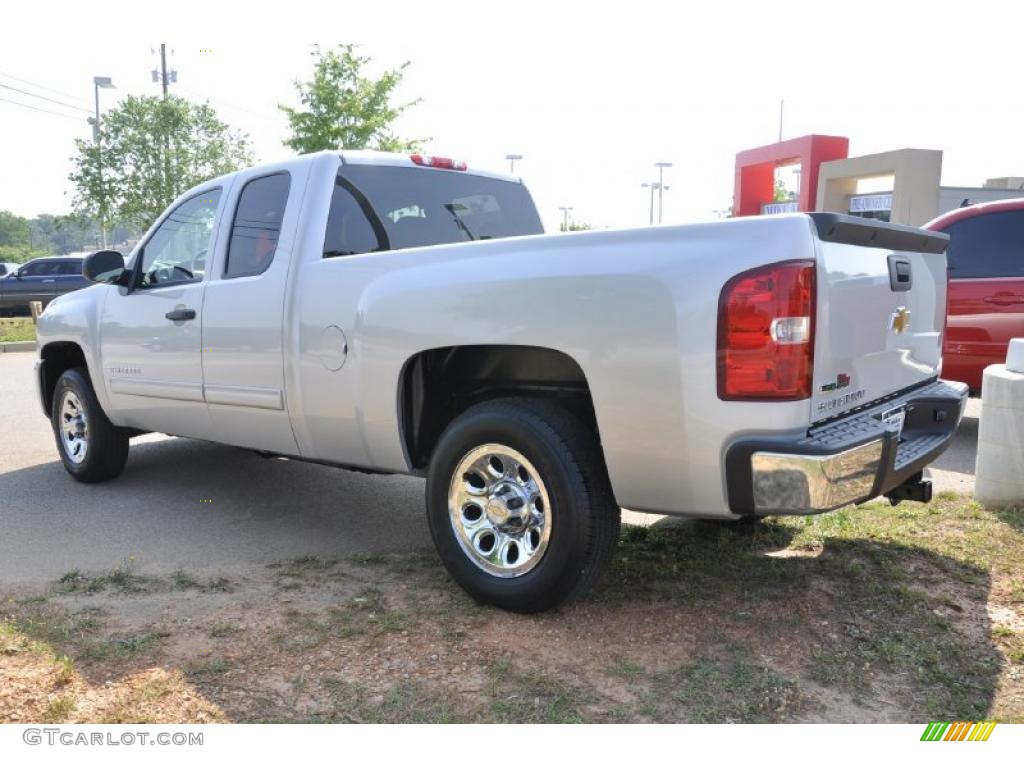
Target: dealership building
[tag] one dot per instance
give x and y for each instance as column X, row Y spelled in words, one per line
column 830, row 180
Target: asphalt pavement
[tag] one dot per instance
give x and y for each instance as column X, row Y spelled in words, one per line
column 208, row 508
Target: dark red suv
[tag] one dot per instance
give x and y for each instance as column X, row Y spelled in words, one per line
column 986, row 286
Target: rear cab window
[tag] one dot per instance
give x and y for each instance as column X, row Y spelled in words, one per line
column 987, row 245
column 382, row 207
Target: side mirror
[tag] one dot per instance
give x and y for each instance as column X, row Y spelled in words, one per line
column 104, row 267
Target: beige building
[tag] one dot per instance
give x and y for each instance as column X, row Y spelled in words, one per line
column 915, row 196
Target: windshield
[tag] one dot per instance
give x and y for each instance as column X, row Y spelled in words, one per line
column 379, row 208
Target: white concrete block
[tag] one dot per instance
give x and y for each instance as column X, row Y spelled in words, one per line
column 1002, row 388
column 1015, row 356
column 994, row 493
column 999, row 476
column 1001, row 426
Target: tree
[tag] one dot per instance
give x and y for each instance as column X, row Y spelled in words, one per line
column 13, row 229
column 346, row 109
column 781, row 195
column 150, row 151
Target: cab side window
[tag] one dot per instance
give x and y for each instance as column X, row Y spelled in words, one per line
column 177, row 251
column 257, row 226
column 987, row 245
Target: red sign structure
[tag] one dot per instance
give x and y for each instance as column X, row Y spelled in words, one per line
column 755, row 170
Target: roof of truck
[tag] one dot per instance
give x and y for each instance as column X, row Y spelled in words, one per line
column 404, row 159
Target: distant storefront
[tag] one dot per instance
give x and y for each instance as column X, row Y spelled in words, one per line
column 830, row 180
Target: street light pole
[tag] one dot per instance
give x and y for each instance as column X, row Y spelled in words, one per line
column 565, row 218
column 652, row 186
column 661, row 166
column 97, row 83
column 512, row 162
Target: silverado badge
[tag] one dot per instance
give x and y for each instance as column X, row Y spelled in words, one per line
column 842, row 381
column 900, row 320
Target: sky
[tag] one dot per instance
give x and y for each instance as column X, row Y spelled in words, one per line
column 591, row 94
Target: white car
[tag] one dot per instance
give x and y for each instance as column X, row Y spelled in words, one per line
column 402, row 314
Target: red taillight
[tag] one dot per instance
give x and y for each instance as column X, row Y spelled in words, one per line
column 438, row 162
column 766, row 333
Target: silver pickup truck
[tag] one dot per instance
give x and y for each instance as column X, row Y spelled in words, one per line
column 403, row 314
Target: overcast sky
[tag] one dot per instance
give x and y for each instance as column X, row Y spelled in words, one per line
column 592, row 94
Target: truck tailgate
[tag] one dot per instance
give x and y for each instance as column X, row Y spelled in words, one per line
column 881, row 311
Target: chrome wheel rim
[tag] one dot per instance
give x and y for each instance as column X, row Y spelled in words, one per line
column 499, row 510
column 74, row 431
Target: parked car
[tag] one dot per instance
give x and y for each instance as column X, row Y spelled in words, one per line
column 42, row 280
column 6, row 267
column 374, row 311
column 986, row 286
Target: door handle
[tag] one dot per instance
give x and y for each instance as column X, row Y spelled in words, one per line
column 1004, row 299
column 51, row 280
column 179, row 315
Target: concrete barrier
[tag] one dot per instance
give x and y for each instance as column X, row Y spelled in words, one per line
column 999, row 477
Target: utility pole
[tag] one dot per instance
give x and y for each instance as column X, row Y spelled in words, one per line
column 565, row 217
column 645, row 185
column 166, row 77
column 654, row 185
column 661, row 166
column 782, row 105
column 97, row 83
column 512, row 162
column 163, row 67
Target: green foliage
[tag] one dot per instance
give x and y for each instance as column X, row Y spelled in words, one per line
column 150, row 151
column 13, row 229
column 575, row 226
column 19, row 254
column 781, row 195
column 343, row 108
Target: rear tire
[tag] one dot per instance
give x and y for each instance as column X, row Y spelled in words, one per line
column 91, row 448
column 519, row 505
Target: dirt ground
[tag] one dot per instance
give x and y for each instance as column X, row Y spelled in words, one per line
column 867, row 615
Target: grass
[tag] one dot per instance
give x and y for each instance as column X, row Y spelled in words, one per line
column 894, row 584
column 205, row 669
column 58, row 709
column 121, row 579
column 364, row 615
column 182, row 580
column 123, row 647
column 724, row 687
column 223, row 629
column 17, row 329
column 868, row 611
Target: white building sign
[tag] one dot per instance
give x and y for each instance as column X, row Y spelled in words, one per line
column 870, row 203
column 791, row 206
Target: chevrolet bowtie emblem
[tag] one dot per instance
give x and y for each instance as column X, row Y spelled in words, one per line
column 900, row 320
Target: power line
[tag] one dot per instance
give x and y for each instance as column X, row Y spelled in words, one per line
column 228, row 105
column 37, row 85
column 44, row 98
column 40, row 109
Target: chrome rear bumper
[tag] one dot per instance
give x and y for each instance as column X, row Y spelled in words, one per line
column 845, row 461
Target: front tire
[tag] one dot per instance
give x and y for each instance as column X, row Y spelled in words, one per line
column 519, row 505
column 91, row 448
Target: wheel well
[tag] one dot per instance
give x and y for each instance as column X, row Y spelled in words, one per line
column 57, row 358
column 439, row 384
